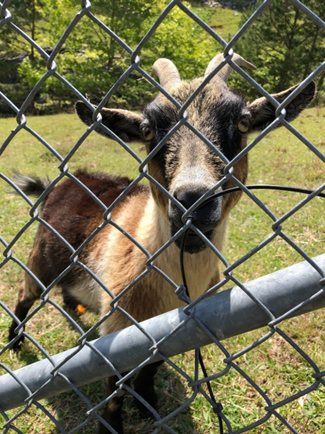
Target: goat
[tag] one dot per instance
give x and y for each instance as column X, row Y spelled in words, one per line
column 186, row 167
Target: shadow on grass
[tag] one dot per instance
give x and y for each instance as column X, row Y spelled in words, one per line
column 69, row 409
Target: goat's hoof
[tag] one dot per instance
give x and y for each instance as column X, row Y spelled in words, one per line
column 145, row 413
column 15, row 346
column 103, row 430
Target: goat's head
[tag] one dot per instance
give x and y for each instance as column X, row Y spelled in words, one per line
column 188, row 164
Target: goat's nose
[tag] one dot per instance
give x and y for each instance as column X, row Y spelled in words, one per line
column 187, row 198
column 205, row 217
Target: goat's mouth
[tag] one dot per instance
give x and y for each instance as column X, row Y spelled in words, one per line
column 194, row 243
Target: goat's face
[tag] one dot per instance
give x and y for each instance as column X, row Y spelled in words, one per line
column 188, row 164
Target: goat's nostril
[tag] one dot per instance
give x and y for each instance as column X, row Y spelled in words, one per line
column 187, row 198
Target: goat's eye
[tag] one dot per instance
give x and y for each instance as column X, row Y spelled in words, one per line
column 243, row 125
column 148, row 132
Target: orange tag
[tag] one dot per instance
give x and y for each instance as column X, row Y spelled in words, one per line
column 81, row 309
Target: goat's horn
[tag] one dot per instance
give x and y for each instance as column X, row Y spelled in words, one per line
column 167, row 73
column 225, row 71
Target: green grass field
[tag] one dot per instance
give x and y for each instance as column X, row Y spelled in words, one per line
column 279, row 159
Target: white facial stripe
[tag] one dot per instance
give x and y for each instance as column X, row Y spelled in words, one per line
column 197, row 176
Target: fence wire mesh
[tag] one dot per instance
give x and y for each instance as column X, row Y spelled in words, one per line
column 270, row 380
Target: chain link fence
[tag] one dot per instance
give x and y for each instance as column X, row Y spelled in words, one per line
column 267, row 381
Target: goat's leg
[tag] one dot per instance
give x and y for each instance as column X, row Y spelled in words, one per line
column 144, row 386
column 29, row 292
column 112, row 413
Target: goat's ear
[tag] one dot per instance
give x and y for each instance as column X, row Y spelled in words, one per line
column 123, row 123
column 263, row 112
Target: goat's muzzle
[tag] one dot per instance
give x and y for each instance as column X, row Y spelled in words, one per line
column 204, row 217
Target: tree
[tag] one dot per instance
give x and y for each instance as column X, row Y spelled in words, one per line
column 93, row 61
column 27, row 15
column 284, row 44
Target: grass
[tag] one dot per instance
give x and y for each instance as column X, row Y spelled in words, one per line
column 274, row 365
column 285, row 160
column 223, row 21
